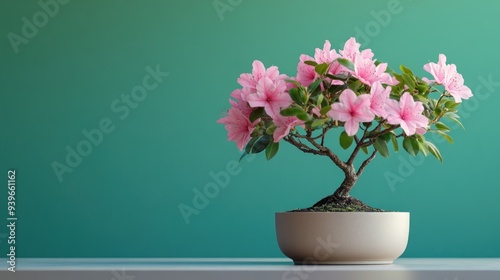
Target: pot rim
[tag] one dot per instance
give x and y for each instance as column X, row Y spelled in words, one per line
column 343, row 213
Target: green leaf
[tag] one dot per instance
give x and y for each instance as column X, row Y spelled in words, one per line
column 257, row 113
column 345, row 140
column 319, row 99
column 434, row 151
column 303, row 96
column 444, row 135
column 321, row 68
column 243, row 155
column 442, row 127
column 325, row 110
column 272, row 149
column 303, row 116
column 422, row 88
column 354, row 85
column 422, row 98
column 295, row 111
column 270, row 129
column 310, row 62
column 295, row 95
column 438, row 111
column 406, row 70
column 364, row 149
column 386, row 137
column 452, row 115
column 411, row 146
column 394, row 142
column 248, row 147
column 292, row 111
column 456, row 121
column 314, row 85
column 317, row 123
column 346, row 63
column 337, row 89
column 325, row 103
column 422, row 146
column 341, row 77
column 399, row 78
column 450, row 104
column 408, row 80
column 433, row 102
column 381, row 146
column 261, row 144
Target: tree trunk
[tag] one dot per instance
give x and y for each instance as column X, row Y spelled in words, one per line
column 341, row 195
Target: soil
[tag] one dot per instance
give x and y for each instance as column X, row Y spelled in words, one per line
column 339, row 204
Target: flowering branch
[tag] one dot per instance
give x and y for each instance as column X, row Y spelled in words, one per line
column 349, row 90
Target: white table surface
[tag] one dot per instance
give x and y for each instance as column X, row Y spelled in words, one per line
column 247, row 268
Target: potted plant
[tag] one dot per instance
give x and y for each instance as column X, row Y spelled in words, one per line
column 372, row 108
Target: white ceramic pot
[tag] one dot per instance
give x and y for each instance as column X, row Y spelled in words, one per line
column 342, row 237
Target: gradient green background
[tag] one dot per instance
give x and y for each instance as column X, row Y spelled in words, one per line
column 123, row 199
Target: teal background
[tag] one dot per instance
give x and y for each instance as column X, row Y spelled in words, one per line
column 123, row 199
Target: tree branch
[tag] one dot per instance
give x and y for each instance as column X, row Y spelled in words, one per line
column 365, row 163
column 323, row 136
column 342, row 165
column 367, row 143
column 359, row 145
column 356, row 139
column 301, row 146
column 385, row 131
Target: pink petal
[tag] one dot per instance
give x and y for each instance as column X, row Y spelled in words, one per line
column 348, row 97
column 442, row 60
column 351, row 127
column 272, row 73
column 405, row 128
column 421, row 130
column 246, row 80
column 340, row 112
column 364, row 115
column 258, row 70
column 265, row 85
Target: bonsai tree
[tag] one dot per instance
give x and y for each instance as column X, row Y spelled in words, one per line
column 373, row 107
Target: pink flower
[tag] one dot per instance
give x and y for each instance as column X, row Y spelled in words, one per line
column 239, row 128
column 368, row 73
column 283, row 126
column 391, row 81
column 407, row 113
column 437, row 70
column 305, row 73
column 365, row 68
column 325, row 55
column 351, row 50
column 239, row 103
column 270, row 95
column 259, row 71
column 378, row 98
column 352, row 110
column 455, row 86
column 447, row 75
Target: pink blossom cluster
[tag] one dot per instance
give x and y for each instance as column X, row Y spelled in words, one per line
column 267, row 89
column 262, row 88
column 365, row 68
column 447, row 76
